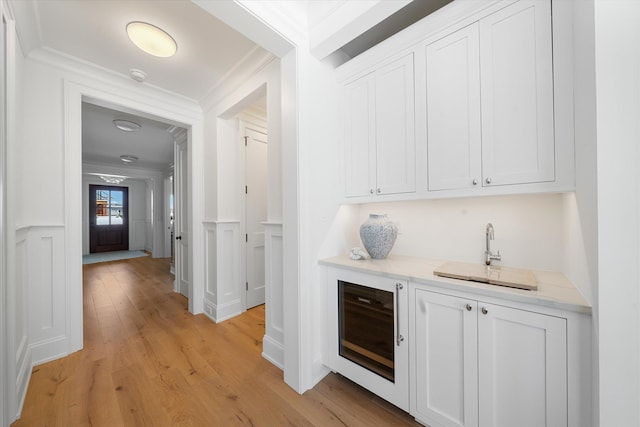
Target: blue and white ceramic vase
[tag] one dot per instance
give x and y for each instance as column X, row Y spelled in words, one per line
column 378, row 235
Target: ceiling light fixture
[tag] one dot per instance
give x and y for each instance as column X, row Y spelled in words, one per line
column 112, row 179
column 127, row 125
column 127, row 158
column 151, row 39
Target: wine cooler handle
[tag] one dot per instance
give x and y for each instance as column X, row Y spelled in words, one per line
column 399, row 338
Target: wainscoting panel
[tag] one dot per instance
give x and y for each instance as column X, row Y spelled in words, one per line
column 46, row 293
column 139, row 235
column 224, row 291
column 17, row 296
column 210, row 255
column 273, row 341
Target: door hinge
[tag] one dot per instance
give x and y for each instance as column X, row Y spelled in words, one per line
column 247, row 286
column 246, row 138
column 246, row 189
column 246, row 237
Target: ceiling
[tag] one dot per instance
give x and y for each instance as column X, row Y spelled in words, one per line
column 94, row 31
column 103, row 143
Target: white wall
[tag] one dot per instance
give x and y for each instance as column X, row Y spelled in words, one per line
column 140, row 231
column 617, row 71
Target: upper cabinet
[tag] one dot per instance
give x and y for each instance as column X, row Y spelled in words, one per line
column 380, row 131
column 468, row 110
column 516, row 78
column 489, row 95
column 453, row 111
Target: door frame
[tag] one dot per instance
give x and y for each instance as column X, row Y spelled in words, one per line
column 144, row 102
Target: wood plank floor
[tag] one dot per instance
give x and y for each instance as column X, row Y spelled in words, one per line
column 148, row 362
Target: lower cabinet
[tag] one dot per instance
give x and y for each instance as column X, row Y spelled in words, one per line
column 478, row 364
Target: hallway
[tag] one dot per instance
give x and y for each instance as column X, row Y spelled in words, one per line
column 148, row 362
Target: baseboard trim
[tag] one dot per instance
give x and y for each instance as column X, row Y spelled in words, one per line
column 273, row 351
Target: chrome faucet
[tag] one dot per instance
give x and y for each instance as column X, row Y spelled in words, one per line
column 488, row 255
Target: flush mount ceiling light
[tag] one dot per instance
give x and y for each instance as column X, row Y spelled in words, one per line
column 127, row 125
column 126, row 158
column 112, row 179
column 151, row 39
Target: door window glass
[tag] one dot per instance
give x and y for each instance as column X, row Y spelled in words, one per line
column 109, row 208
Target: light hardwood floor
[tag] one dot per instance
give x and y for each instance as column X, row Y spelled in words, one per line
column 148, row 362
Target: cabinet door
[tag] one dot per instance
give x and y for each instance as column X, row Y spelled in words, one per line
column 360, row 137
column 522, row 364
column 517, row 94
column 444, row 382
column 395, row 128
column 453, row 111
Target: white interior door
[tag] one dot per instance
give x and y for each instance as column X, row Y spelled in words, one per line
column 256, row 212
column 181, row 220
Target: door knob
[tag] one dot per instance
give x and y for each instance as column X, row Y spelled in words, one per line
column 178, row 237
column 484, row 310
column 468, row 307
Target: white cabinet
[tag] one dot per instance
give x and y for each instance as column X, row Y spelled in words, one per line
column 517, row 94
column 380, row 135
column 522, row 366
column 453, row 111
column 480, row 364
column 489, row 96
column 445, row 349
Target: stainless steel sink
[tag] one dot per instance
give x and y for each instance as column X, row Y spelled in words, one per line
column 491, row 274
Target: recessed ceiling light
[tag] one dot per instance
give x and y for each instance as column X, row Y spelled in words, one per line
column 126, row 158
column 127, row 125
column 151, row 39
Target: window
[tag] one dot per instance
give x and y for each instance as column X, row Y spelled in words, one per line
column 109, row 207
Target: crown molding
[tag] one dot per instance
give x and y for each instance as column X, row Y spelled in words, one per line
column 96, row 73
column 251, row 64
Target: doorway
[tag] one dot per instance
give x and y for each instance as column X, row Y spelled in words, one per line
column 108, row 218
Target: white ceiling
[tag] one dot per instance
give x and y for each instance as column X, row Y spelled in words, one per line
column 103, row 143
column 94, row 31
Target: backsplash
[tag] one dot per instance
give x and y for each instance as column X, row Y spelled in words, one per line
column 528, row 228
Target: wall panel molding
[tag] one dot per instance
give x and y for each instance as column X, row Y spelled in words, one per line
column 224, row 292
column 273, row 341
column 46, row 289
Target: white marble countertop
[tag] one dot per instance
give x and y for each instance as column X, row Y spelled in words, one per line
column 554, row 289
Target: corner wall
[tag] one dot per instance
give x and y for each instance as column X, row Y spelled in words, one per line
column 617, row 97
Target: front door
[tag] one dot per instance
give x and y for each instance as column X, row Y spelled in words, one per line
column 108, row 218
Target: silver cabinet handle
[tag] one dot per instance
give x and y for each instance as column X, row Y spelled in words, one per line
column 484, row 310
column 378, row 191
column 399, row 338
column 474, row 182
column 488, row 180
column 468, row 307
column 371, row 191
